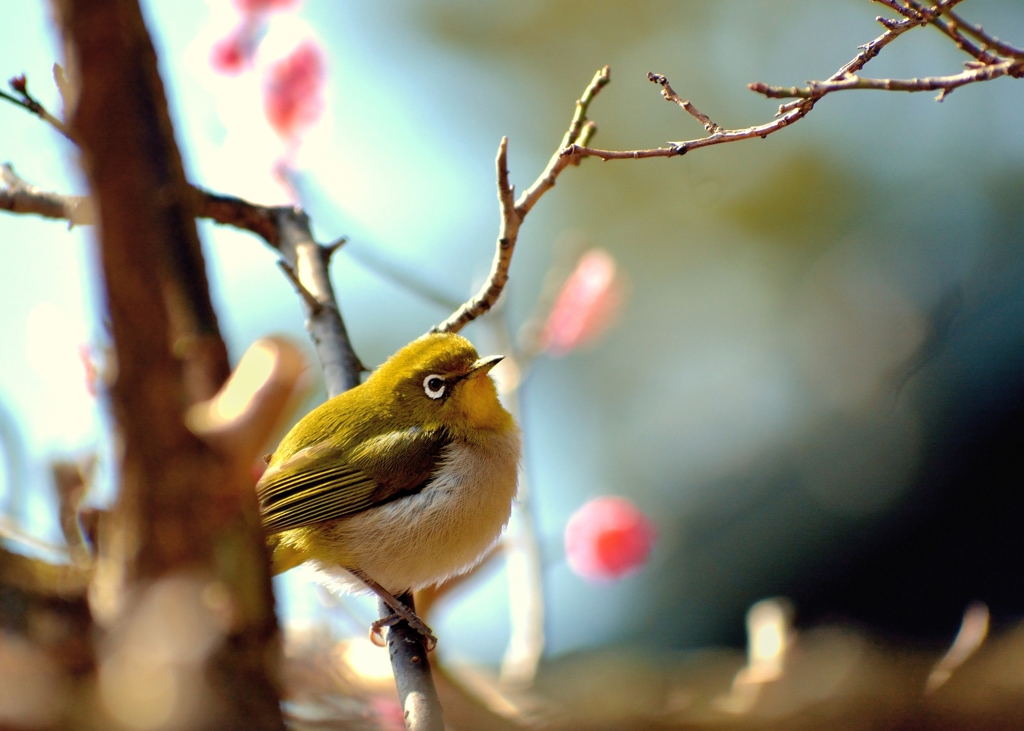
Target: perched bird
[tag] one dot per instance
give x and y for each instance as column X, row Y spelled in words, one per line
column 400, row 482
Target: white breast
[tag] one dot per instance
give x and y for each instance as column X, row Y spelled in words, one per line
column 439, row 532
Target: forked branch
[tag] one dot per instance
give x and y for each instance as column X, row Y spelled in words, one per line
column 991, row 59
column 513, row 211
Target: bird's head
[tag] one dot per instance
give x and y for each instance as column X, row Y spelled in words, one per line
column 439, row 379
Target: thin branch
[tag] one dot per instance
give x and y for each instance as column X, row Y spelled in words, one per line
column 915, row 13
column 817, row 89
column 988, row 41
column 416, row 692
column 510, row 222
column 546, row 180
column 312, row 304
column 232, row 211
column 669, row 94
column 681, row 148
column 332, row 247
column 28, row 102
column 514, row 211
column 893, row 30
column 308, row 261
column 11, row 531
column 951, row 30
column 20, row 197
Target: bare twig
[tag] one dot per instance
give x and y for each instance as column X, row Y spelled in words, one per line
column 509, row 230
column 681, row 148
column 514, row 211
column 915, row 13
column 951, row 30
column 546, row 180
column 26, row 101
column 988, row 41
column 817, row 89
column 330, row 248
column 669, row 94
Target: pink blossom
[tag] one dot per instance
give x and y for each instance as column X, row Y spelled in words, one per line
column 589, row 301
column 608, row 538
column 293, row 90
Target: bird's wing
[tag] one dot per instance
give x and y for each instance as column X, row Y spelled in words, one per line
column 323, row 482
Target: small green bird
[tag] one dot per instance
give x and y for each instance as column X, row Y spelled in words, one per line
column 400, row 482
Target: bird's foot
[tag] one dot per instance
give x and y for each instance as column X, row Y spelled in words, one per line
column 400, row 612
column 409, row 616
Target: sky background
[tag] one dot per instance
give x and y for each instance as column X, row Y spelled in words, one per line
column 815, row 320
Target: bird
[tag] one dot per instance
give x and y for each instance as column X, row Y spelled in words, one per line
column 399, row 483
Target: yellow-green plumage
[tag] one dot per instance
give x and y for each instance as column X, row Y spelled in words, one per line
column 385, row 478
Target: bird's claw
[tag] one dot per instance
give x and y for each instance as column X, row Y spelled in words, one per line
column 377, row 634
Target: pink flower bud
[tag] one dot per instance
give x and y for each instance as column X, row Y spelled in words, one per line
column 293, row 90
column 588, row 303
column 608, row 538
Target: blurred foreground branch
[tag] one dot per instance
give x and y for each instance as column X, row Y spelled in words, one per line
column 184, row 539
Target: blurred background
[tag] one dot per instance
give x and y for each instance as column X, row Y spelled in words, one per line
column 814, row 385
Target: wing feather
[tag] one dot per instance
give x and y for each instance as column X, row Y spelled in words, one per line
column 323, row 482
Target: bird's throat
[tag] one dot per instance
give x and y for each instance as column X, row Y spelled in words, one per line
column 480, row 405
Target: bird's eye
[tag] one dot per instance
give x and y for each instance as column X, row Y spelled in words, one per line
column 433, row 386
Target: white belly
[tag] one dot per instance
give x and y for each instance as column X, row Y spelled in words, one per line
column 439, row 532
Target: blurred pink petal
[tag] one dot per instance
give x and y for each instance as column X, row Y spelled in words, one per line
column 234, row 53
column 293, row 90
column 228, row 55
column 589, row 302
column 608, row 538
column 263, row 6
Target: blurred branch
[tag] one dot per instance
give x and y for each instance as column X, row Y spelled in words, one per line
column 186, row 514
column 992, row 59
column 11, row 531
column 18, row 196
column 514, row 211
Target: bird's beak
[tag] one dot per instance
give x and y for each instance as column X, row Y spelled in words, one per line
column 483, row 365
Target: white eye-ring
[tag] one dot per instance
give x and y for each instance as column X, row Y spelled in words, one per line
column 434, row 385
